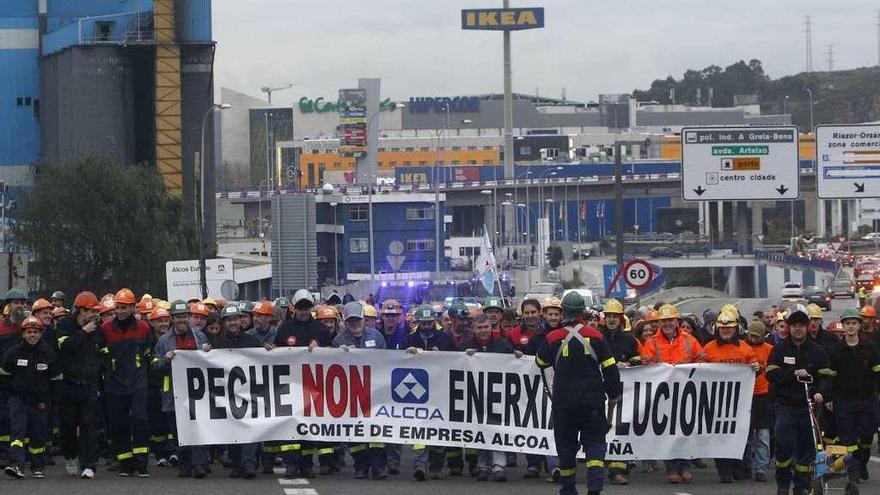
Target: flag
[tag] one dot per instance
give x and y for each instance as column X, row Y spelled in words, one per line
column 487, row 265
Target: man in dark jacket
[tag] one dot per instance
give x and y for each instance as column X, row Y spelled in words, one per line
column 795, row 363
column 81, row 351
column 30, row 366
column 128, row 342
column 394, row 327
column 10, row 336
column 301, row 330
column 585, row 374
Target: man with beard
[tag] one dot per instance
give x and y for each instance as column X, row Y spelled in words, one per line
column 459, row 325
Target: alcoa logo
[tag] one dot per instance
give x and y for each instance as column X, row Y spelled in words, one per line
column 409, row 385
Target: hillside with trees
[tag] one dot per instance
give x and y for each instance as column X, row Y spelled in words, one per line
column 839, row 97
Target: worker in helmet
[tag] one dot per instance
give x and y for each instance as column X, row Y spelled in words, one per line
column 427, row 337
column 869, row 327
column 57, row 299
column 494, row 309
column 42, row 310
column 625, row 351
column 727, row 347
column 816, row 331
column 371, row 316
column 585, row 374
column 394, row 330
column 301, row 330
column 264, row 312
column 459, row 329
column 161, row 444
column 669, row 344
column 329, row 317
column 106, row 308
column 125, row 385
column 211, row 304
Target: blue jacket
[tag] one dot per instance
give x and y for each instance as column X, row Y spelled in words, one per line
column 397, row 338
column 130, row 353
column 437, row 338
column 371, row 339
column 168, row 342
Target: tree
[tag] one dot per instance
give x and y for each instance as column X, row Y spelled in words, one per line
column 96, row 225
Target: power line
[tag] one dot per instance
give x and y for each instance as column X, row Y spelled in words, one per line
column 808, row 29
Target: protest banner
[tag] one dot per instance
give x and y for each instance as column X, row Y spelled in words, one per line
column 485, row 401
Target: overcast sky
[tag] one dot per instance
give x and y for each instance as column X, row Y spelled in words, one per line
column 589, row 47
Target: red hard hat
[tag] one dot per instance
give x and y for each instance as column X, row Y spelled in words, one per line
column 86, row 300
column 264, row 308
column 125, row 296
column 199, row 308
column 41, row 304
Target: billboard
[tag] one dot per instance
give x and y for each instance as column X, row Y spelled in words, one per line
column 352, row 126
column 502, row 19
column 182, row 278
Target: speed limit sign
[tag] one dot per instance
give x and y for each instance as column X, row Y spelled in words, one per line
column 638, row 273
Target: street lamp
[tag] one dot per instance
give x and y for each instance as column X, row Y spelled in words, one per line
column 200, row 222
column 335, row 245
column 810, row 92
column 269, row 91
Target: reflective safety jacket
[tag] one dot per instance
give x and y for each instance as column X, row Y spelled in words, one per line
column 584, row 371
column 682, row 349
column 128, row 342
column 624, row 346
column 855, row 370
column 30, row 369
column 787, row 357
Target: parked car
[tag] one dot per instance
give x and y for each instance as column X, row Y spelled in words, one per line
column 865, row 281
column 820, row 296
column 544, row 290
column 792, row 290
column 843, row 287
column 665, row 252
column 873, row 236
column 785, row 303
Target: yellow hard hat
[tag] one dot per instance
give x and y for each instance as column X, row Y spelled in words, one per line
column 551, row 302
column 613, row 306
column 210, row 300
column 727, row 319
column 370, row 310
column 163, row 304
column 814, row 311
column 667, row 312
column 730, row 308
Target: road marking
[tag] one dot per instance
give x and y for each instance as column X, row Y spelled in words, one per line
column 278, row 470
column 300, row 491
column 682, row 493
column 295, row 481
column 875, row 459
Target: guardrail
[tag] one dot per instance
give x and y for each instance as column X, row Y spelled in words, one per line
column 788, row 259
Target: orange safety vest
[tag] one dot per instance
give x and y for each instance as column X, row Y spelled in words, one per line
column 682, row 349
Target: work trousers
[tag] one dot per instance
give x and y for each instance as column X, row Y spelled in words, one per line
column 575, row 428
column 129, row 428
column 795, row 450
column 28, row 430
column 78, row 409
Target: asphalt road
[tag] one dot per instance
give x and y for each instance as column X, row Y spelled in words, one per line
column 164, row 481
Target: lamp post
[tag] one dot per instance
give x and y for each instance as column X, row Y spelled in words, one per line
column 200, row 222
column 810, row 92
column 335, row 246
column 438, row 248
column 269, row 91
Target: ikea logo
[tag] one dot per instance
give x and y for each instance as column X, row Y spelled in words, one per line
column 502, row 19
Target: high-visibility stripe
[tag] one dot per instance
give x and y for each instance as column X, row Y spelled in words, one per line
column 4, row 438
column 453, row 454
column 289, row 447
column 377, row 445
column 783, row 464
column 876, row 368
column 595, row 464
column 157, row 438
column 470, row 451
column 166, row 384
column 155, row 360
column 104, row 350
column 36, row 451
column 852, row 448
column 609, row 362
column 567, row 472
column 617, row 465
column 17, row 443
column 827, row 372
column 61, row 341
column 565, row 349
column 137, row 360
column 171, row 436
column 635, row 359
column 123, row 456
column 140, row 450
column 418, row 446
column 802, row 468
column 325, row 451
column 354, row 449
column 270, row 449
column 771, row 367
column 308, row 452
column 541, row 362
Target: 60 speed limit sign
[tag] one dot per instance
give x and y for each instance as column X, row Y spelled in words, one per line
column 638, row 273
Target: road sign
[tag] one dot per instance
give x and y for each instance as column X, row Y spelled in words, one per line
column 848, row 161
column 182, row 278
column 740, row 163
column 638, row 273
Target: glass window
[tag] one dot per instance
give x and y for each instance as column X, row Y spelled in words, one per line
column 420, row 213
column 359, row 245
column 420, row 245
column 358, row 213
column 424, row 148
column 472, row 148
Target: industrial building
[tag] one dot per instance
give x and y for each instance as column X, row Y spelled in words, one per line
column 127, row 79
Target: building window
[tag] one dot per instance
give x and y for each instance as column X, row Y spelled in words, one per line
column 19, row 101
column 392, row 164
column 525, row 150
column 472, row 162
column 359, row 213
column 337, row 164
column 472, row 148
column 407, row 163
column 103, row 31
column 395, row 150
column 487, row 148
column 456, row 148
column 420, row 245
column 424, row 148
column 487, row 162
column 359, row 245
column 455, row 162
column 410, row 149
column 420, row 213
column 552, row 152
column 381, row 150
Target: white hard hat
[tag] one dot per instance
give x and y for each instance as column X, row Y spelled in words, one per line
column 302, row 295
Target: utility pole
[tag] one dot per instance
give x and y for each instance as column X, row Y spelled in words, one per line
column 618, row 202
column 830, row 58
column 808, row 29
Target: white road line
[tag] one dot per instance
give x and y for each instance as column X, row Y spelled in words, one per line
column 295, row 481
column 682, row 493
column 278, row 470
column 300, row 491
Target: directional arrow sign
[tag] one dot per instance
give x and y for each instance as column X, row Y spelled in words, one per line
column 848, row 161
column 739, row 163
column 396, row 261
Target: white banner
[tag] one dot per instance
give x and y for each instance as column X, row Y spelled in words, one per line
column 486, row 401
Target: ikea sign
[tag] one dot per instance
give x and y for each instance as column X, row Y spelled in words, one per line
column 502, row 19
